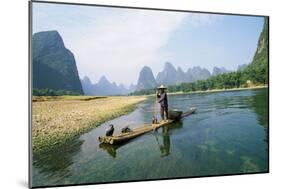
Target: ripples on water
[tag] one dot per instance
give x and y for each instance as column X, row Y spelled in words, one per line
column 227, row 135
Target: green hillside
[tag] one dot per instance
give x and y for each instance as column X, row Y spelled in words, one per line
column 54, row 67
column 257, row 71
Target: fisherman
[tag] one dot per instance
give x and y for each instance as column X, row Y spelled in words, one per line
column 163, row 101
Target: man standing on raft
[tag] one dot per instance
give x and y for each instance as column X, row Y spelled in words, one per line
column 163, row 101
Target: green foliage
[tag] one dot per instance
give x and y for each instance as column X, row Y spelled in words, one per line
column 258, row 69
column 174, row 88
column 51, row 92
column 144, row 92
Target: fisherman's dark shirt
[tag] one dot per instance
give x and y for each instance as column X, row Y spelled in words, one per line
column 162, row 99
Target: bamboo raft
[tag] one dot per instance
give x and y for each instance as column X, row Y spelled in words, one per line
column 123, row 137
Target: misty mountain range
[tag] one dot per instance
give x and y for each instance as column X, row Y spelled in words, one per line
column 104, row 87
column 171, row 76
column 54, row 67
column 146, row 80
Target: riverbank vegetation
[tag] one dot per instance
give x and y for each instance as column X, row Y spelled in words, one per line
column 58, row 120
column 51, row 92
column 233, row 80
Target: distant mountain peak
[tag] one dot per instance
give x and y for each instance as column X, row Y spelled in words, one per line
column 86, row 78
column 104, row 87
column 103, row 79
column 146, row 79
column 179, row 69
column 48, row 41
column 114, row 84
column 197, row 73
column 168, row 65
column 146, row 68
column 219, row 70
column 50, row 33
column 168, row 76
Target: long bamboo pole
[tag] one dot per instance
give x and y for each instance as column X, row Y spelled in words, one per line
column 155, row 106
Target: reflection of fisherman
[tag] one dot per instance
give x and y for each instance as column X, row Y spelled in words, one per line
column 163, row 101
column 165, row 148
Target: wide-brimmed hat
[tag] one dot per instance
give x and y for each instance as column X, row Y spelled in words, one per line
column 162, row 87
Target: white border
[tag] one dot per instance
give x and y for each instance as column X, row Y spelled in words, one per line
column 14, row 92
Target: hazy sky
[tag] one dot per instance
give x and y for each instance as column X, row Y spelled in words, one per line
column 118, row 42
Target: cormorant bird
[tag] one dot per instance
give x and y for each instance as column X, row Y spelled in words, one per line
column 109, row 131
column 126, row 129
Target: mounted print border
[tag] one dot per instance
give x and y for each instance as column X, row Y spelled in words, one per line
column 125, row 94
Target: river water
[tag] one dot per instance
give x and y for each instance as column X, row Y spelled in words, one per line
column 227, row 135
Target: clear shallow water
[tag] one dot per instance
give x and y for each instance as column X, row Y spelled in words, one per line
column 227, row 135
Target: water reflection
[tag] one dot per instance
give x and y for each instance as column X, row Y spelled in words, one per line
column 164, row 145
column 164, row 142
column 55, row 163
column 259, row 104
column 111, row 149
